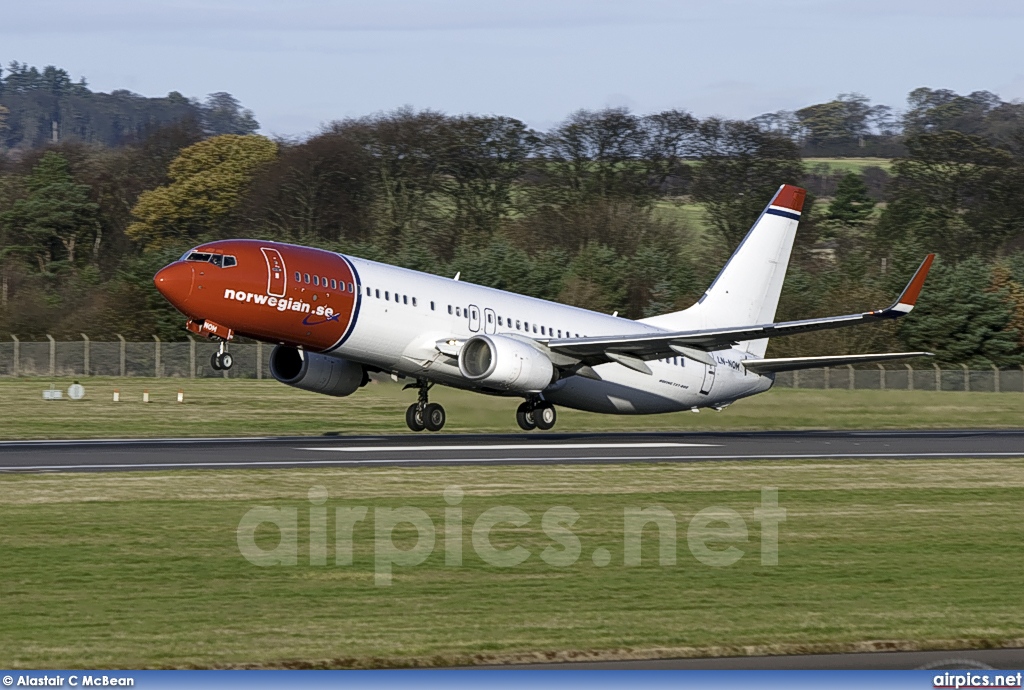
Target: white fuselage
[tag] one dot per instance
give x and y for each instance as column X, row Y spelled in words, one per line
column 402, row 314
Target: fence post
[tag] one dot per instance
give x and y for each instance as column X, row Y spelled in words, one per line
column 191, row 357
column 853, row 379
column 123, row 355
column 881, row 377
column 259, row 359
column 85, row 354
column 827, row 377
column 796, row 378
column 995, row 381
column 156, row 365
column 967, row 379
column 53, row 355
column 910, row 377
column 17, row 354
column 938, row 377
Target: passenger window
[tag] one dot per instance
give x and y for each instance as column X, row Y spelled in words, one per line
column 559, row 333
column 449, row 309
column 405, row 299
column 414, row 301
column 458, row 311
column 499, row 321
column 526, row 326
column 368, row 293
column 431, row 305
column 518, row 326
column 351, row 287
column 534, row 328
column 316, row 280
column 490, row 318
column 298, row 277
column 307, row 277
column 323, row 281
column 376, row 293
column 542, row 330
column 387, row 296
column 334, row 284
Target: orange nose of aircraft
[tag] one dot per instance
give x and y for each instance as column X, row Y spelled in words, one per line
column 175, row 282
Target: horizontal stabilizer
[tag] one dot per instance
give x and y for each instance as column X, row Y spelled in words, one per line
column 764, row 366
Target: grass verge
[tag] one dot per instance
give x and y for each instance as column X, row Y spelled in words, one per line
column 143, row 570
column 233, row 407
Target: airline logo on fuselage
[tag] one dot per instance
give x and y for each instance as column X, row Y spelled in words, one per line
column 281, row 304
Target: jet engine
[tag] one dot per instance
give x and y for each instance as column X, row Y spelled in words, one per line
column 314, row 372
column 507, row 364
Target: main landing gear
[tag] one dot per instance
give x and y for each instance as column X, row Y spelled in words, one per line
column 222, row 359
column 535, row 414
column 423, row 414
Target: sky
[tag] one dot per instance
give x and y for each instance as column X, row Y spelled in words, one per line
column 299, row 64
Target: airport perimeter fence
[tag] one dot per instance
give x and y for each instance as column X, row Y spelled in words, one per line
column 191, row 359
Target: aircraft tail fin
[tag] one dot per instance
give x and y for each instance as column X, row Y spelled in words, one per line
column 746, row 291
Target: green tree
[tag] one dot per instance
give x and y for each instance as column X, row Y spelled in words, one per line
column 851, row 203
column 54, row 216
column 956, row 194
column 206, row 183
column 740, row 168
column 961, row 319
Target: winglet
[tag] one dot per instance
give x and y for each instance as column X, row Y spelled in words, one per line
column 909, row 295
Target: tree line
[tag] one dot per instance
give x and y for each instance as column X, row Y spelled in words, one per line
column 608, row 210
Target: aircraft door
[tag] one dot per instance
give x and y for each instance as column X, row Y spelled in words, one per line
column 709, row 379
column 276, row 273
column 490, row 322
column 474, row 318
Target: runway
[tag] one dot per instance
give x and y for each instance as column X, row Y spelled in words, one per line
column 505, row 449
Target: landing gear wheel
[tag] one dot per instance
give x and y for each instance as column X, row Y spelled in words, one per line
column 221, row 361
column 215, row 361
column 544, row 417
column 525, row 417
column 414, row 417
column 434, row 417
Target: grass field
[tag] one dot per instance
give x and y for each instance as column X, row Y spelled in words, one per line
column 850, row 164
column 239, row 407
column 143, row 570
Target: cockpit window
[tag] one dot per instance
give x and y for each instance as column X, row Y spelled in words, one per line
column 219, row 260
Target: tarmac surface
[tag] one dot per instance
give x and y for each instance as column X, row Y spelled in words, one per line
column 504, row 449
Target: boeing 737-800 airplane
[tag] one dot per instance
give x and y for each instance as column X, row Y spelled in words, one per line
column 335, row 318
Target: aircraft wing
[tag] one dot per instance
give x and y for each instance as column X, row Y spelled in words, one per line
column 632, row 350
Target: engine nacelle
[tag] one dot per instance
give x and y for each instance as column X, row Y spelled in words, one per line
column 314, row 372
column 508, row 364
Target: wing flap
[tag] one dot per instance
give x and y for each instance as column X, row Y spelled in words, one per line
column 764, row 366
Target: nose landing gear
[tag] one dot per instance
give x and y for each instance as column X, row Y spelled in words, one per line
column 222, row 359
column 536, row 414
column 423, row 414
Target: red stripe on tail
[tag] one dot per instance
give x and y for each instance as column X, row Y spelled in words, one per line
column 790, row 197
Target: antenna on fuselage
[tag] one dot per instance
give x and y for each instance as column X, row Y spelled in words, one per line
column 457, row 274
